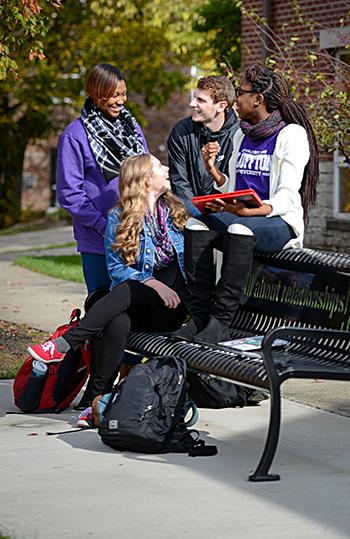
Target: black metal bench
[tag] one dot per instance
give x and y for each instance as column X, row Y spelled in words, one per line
column 301, row 296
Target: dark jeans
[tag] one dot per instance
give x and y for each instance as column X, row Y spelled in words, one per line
column 272, row 232
column 95, row 271
column 129, row 306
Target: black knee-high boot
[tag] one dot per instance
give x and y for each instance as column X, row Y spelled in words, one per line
column 237, row 261
column 200, row 275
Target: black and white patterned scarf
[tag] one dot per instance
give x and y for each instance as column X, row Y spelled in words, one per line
column 111, row 142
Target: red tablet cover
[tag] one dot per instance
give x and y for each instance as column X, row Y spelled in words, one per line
column 248, row 196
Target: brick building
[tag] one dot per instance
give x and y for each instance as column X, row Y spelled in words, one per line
column 329, row 227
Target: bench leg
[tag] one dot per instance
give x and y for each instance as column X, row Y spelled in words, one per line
column 261, row 473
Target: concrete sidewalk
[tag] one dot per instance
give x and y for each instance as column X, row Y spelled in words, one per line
column 71, row 485
column 28, row 297
column 23, row 241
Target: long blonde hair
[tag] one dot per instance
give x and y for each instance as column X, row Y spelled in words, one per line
column 133, row 193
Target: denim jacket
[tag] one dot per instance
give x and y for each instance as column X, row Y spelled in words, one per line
column 143, row 267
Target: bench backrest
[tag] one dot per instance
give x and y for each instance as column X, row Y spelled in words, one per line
column 298, row 287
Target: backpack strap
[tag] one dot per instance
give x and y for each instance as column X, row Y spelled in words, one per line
column 185, row 442
column 74, row 316
column 202, row 450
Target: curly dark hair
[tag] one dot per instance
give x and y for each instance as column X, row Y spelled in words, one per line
column 277, row 95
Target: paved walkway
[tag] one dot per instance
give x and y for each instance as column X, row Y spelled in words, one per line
column 71, row 485
column 28, row 297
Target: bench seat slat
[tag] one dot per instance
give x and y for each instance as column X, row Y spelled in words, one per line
column 226, row 364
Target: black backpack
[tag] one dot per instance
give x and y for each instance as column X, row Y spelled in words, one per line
column 145, row 411
column 208, row 392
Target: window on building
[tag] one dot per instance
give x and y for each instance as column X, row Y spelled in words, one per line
column 341, row 170
column 29, row 180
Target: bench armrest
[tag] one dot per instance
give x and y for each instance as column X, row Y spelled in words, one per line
column 301, row 336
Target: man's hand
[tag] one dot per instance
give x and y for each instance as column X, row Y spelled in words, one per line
column 209, row 152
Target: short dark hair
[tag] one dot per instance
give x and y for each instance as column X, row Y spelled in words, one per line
column 219, row 87
column 102, row 81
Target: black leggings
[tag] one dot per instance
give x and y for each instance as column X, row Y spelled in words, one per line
column 129, row 306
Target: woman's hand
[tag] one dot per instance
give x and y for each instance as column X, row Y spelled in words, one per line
column 169, row 296
column 209, row 152
column 237, row 208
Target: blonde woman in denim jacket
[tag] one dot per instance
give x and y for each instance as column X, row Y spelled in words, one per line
column 145, row 252
column 142, row 269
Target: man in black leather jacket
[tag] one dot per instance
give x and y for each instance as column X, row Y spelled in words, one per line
column 213, row 119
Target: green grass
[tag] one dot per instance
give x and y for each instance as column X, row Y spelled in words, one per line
column 10, row 372
column 62, row 267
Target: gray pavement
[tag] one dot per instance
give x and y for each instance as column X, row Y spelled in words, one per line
column 23, row 241
column 71, row 485
column 28, row 297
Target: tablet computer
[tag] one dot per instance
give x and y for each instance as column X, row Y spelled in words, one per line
column 248, row 196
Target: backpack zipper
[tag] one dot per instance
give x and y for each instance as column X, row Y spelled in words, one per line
column 148, row 409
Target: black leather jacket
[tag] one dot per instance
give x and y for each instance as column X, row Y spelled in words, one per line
column 187, row 171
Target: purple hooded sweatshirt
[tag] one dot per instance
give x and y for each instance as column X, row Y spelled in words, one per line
column 82, row 188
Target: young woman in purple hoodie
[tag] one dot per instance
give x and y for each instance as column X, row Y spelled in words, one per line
column 90, row 152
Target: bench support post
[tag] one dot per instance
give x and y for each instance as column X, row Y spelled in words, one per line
column 261, row 473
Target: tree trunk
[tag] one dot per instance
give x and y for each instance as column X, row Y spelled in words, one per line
column 11, row 165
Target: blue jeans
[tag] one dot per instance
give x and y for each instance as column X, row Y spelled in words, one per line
column 95, row 271
column 272, row 232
